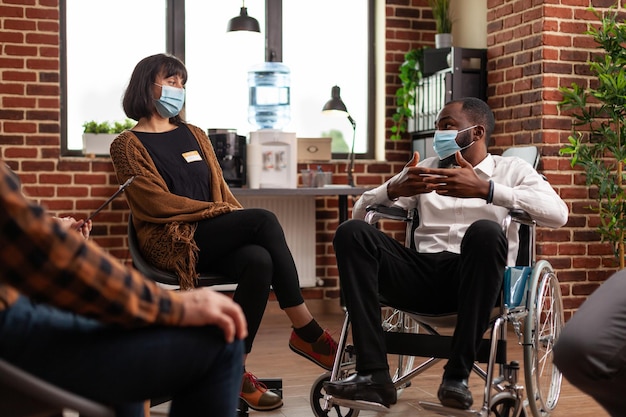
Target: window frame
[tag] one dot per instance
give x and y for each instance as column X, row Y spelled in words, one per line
column 175, row 45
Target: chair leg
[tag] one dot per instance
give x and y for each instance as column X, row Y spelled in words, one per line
column 146, row 408
column 242, row 410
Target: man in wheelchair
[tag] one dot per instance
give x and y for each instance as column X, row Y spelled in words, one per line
column 460, row 253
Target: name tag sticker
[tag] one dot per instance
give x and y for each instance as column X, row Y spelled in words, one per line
column 192, row 156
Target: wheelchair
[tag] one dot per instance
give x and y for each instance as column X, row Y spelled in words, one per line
column 531, row 303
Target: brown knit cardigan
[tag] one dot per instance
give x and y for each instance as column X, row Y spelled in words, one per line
column 166, row 222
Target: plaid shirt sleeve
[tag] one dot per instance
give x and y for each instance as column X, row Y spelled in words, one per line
column 61, row 268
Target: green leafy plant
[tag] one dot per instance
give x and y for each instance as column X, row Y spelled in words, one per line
column 597, row 140
column 410, row 75
column 441, row 13
column 106, row 127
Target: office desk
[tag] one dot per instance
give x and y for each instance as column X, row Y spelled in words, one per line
column 295, row 210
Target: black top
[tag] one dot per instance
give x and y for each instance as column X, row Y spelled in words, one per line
column 180, row 161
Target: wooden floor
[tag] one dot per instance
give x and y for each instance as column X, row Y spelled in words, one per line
column 271, row 357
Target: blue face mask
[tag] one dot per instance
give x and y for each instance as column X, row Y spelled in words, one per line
column 445, row 144
column 171, row 101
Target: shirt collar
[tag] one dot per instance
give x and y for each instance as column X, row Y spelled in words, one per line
column 486, row 166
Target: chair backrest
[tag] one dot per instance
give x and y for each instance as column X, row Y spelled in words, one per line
column 159, row 275
column 529, row 154
column 24, row 395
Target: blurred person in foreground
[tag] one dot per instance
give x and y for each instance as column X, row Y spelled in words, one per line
column 76, row 317
column 591, row 350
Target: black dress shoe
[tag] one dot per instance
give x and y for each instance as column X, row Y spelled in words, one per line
column 363, row 387
column 455, row 393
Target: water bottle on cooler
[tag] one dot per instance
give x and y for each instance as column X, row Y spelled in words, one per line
column 269, row 95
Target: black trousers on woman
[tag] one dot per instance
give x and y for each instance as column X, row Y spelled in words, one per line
column 249, row 246
column 371, row 263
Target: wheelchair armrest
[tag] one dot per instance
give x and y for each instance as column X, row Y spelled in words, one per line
column 520, row 216
column 393, row 213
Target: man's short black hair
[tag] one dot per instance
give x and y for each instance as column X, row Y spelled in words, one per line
column 479, row 113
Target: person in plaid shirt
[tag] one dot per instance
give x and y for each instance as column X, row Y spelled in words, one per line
column 75, row 316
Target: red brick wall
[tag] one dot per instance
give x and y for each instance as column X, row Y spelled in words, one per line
column 29, row 124
column 532, row 50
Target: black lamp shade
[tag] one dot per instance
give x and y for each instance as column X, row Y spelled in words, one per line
column 335, row 104
column 243, row 22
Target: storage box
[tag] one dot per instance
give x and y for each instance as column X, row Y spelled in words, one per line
column 314, row 149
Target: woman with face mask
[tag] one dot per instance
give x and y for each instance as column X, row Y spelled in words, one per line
column 188, row 221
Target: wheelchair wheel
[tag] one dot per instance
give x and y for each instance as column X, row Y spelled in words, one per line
column 396, row 321
column 505, row 406
column 543, row 326
column 317, row 400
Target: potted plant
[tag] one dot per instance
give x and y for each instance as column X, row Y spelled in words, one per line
column 597, row 140
column 97, row 136
column 410, row 75
column 441, row 13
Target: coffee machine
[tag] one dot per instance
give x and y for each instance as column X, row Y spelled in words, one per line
column 230, row 149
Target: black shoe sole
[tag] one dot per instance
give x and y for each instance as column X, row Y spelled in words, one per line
column 454, row 403
column 266, row 408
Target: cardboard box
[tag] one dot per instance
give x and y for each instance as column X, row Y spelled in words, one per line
column 314, row 149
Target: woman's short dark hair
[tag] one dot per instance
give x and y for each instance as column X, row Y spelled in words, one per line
column 138, row 100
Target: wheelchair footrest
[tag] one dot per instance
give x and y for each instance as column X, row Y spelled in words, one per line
column 436, row 346
column 449, row 411
column 360, row 405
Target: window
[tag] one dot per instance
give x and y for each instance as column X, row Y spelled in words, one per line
column 217, row 90
column 100, row 54
column 217, row 63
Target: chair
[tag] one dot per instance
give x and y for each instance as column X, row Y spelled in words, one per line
column 159, row 275
column 528, row 153
column 25, row 395
column 170, row 279
column 531, row 302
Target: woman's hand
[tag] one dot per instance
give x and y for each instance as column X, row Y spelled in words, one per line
column 70, row 223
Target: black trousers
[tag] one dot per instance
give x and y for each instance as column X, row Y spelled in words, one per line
column 123, row 367
column 249, row 246
column 371, row 263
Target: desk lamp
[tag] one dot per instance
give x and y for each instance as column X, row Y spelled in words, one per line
column 243, row 22
column 335, row 106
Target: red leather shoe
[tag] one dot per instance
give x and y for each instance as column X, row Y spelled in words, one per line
column 257, row 396
column 322, row 351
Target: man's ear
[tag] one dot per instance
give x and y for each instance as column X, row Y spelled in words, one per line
column 478, row 132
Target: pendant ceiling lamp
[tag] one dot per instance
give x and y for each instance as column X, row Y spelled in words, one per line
column 243, row 22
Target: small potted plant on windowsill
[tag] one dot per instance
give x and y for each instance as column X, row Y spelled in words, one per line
column 441, row 13
column 97, row 137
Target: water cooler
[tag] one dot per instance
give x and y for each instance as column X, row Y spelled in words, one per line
column 272, row 159
column 271, row 153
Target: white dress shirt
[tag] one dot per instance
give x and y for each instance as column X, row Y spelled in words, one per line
column 444, row 220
